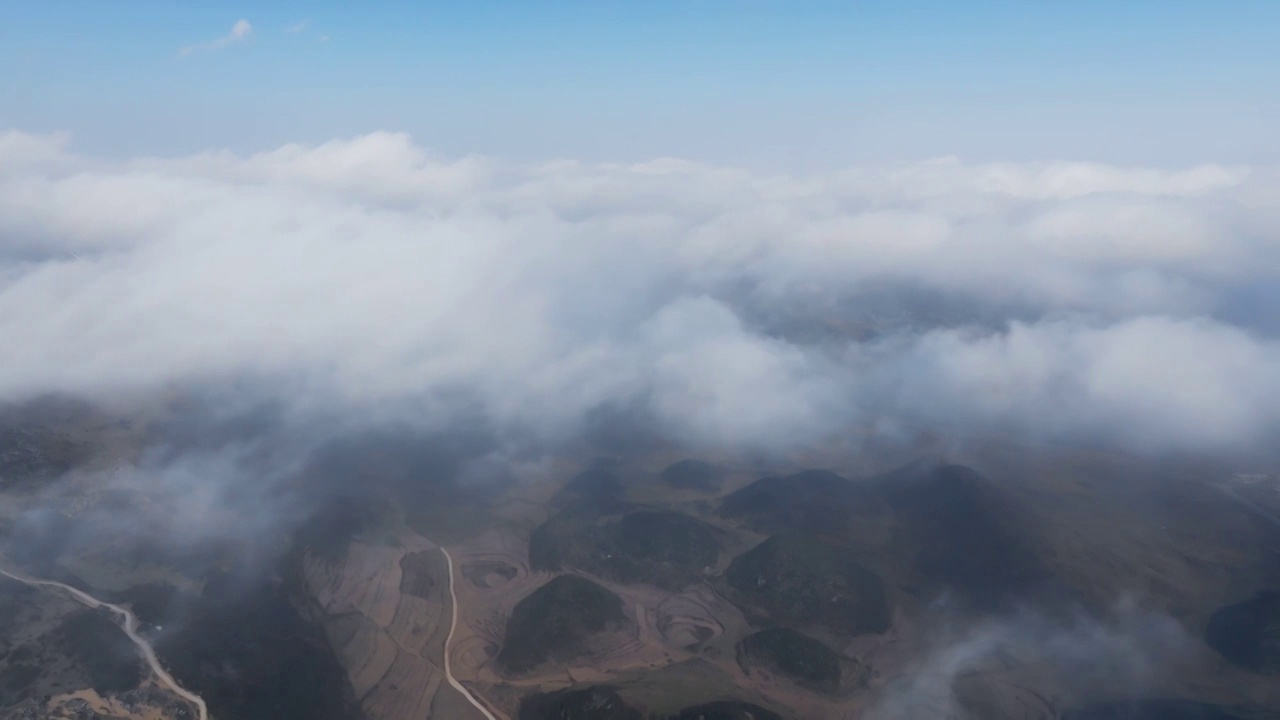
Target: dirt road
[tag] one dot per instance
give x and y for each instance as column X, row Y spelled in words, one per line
column 453, row 625
column 131, row 629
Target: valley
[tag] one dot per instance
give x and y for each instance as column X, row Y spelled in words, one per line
column 996, row 583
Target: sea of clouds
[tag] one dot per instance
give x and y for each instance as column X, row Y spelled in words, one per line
column 365, row 276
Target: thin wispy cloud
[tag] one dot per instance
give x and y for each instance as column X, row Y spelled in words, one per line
column 302, row 26
column 239, row 33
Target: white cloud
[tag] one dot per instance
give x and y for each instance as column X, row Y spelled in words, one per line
column 1150, row 382
column 20, row 151
column 239, row 33
column 363, row 272
column 298, row 26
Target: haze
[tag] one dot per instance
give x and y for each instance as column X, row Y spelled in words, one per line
column 539, row 361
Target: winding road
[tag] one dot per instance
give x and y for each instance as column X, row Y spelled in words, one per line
column 453, row 625
column 131, row 629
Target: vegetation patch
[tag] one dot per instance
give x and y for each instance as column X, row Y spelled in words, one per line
column 1152, row 710
column 594, row 703
column 31, row 454
column 597, row 490
column 112, row 663
column 249, row 653
column 802, row 659
column 557, row 622
column 726, row 710
column 153, row 603
column 813, row 501
column 693, row 475
column 664, row 549
column 800, row 581
column 963, row 535
column 329, row 532
column 1247, row 634
column 416, row 577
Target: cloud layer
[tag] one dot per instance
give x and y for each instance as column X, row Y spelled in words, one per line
column 1068, row 301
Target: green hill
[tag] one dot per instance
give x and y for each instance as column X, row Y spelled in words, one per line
column 556, row 623
column 692, row 475
column 804, row 660
column 800, row 581
column 812, row 501
column 664, row 549
column 1248, row 633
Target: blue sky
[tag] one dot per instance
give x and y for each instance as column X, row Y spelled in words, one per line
column 800, row 82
